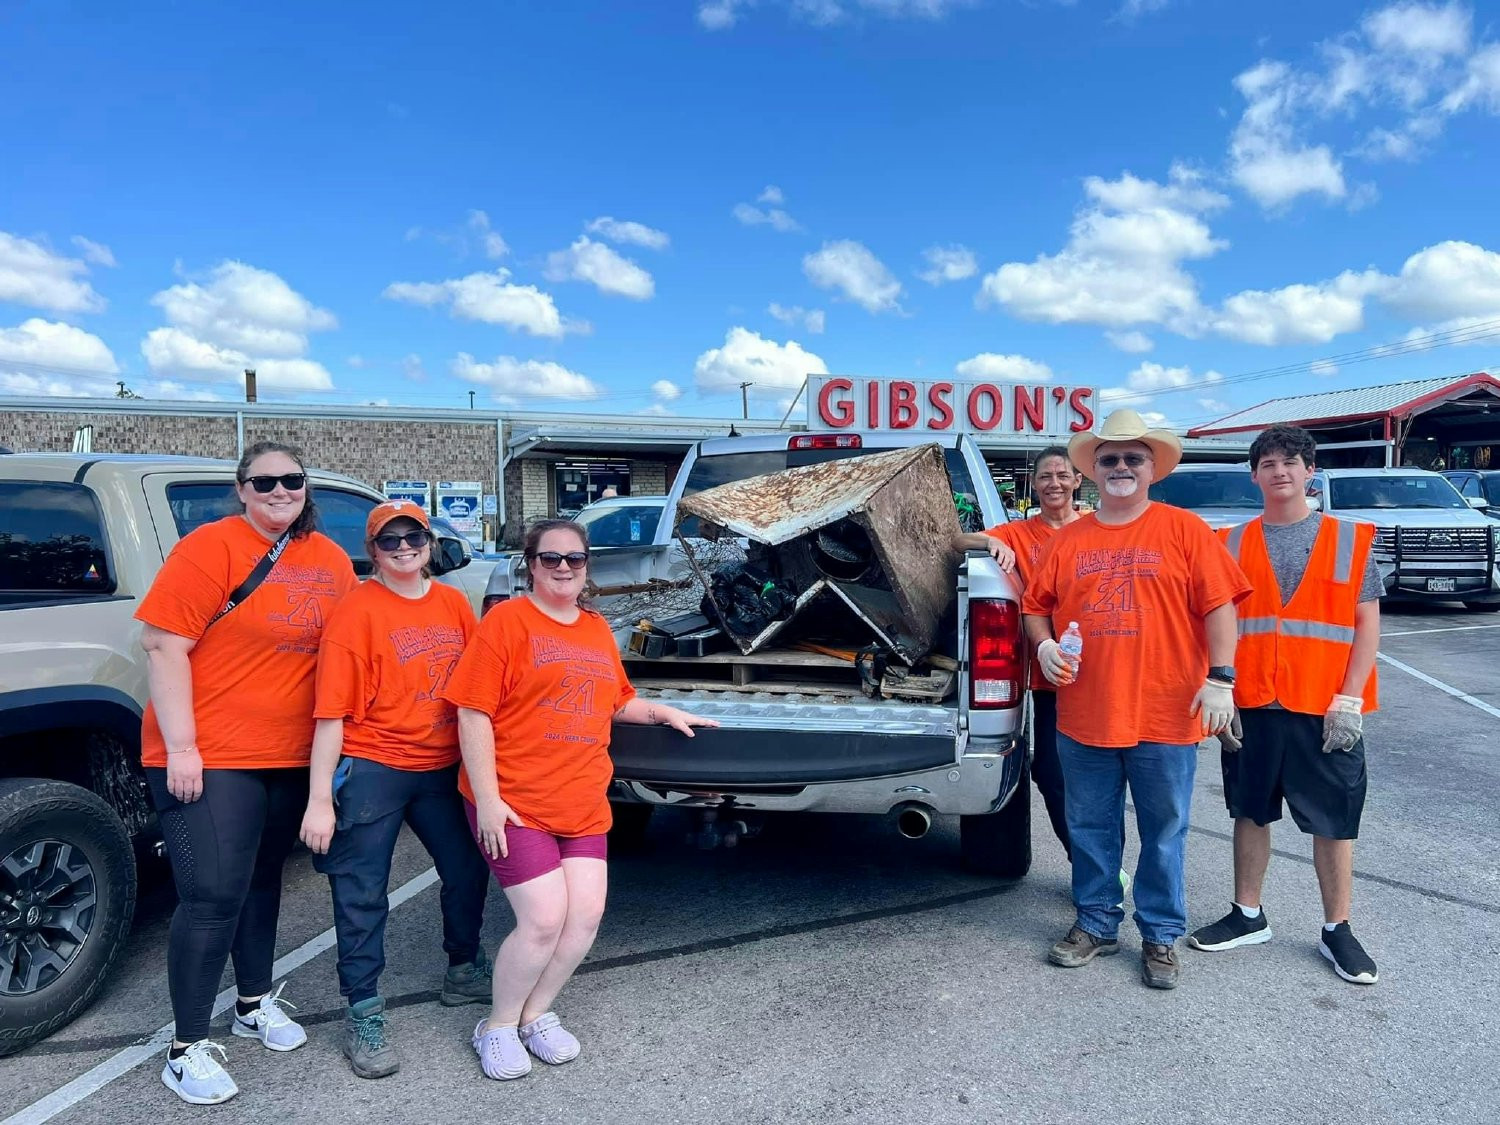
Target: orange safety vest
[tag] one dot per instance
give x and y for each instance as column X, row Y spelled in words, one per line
column 1296, row 654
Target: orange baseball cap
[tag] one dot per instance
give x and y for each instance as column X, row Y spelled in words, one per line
column 394, row 509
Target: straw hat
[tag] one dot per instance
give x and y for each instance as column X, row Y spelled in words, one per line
column 1126, row 425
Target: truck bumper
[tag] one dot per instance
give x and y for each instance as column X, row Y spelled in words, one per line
column 805, row 773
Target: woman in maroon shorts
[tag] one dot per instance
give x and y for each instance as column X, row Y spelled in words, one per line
column 536, row 691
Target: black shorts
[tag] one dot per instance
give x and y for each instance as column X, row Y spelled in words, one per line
column 1283, row 759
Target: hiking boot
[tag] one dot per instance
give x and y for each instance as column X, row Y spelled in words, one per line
column 1080, row 947
column 1347, row 956
column 268, row 1023
column 1159, row 967
column 367, row 1044
column 468, row 984
column 196, row 1076
column 1232, row 931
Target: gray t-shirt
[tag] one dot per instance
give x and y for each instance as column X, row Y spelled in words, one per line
column 1290, row 545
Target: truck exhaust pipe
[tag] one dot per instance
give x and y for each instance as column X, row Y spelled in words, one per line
column 912, row 820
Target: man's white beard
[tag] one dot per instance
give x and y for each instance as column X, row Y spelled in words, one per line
column 1121, row 487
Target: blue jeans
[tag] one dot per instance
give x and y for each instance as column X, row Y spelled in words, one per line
column 373, row 803
column 1160, row 777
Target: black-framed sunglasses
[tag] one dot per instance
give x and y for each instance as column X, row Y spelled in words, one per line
column 1110, row 460
column 292, row 482
column 551, row 560
column 392, row 542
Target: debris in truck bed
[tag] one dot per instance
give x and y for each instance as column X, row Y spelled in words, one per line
column 864, row 540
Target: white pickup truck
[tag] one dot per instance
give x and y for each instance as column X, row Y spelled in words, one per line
column 797, row 732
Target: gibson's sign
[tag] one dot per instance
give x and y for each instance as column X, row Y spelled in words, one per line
column 836, row 402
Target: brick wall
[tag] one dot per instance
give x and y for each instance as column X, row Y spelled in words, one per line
column 651, row 478
column 375, row 452
column 192, row 435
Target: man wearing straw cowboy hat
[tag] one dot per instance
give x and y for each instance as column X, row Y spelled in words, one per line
column 1153, row 592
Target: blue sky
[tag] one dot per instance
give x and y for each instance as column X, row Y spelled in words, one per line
column 627, row 207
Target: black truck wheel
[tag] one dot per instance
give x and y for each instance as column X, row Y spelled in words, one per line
column 67, row 896
column 999, row 844
column 631, row 821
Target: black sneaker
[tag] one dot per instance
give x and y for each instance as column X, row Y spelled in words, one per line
column 1347, row 956
column 1232, row 931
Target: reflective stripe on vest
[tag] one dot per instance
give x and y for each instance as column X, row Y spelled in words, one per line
column 1318, row 630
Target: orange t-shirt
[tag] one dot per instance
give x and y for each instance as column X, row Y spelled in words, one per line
column 382, row 668
column 551, row 690
column 1139, row 593
column 1027, row 538
column 253, row 671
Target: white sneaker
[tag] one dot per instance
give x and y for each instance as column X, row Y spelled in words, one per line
column 197, row 1076
column 270, row 1024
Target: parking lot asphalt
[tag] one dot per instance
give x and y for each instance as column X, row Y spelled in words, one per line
column 828, row 970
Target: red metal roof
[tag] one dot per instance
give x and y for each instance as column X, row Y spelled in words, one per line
column 1393, row 400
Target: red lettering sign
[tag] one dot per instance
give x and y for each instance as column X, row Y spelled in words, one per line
column 977, row 419
column 942, row 406
column 942, row 410
column 836, row 414
column 1079, row 401
column 872, row 395
column 1030, row 410
column 903, row 408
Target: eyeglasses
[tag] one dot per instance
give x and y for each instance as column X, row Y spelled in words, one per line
column 551, row 560
column 392, row 542
column 1110, row 460
column 292, row 482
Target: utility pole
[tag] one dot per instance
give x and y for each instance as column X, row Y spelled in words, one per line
column 745, row 399
column 471, row 400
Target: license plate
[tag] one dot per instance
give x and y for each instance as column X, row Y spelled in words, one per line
column 1440, row 586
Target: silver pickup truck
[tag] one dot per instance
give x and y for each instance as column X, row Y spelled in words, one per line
column 797, row 733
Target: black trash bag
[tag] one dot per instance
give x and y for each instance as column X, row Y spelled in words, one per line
column 746, row 599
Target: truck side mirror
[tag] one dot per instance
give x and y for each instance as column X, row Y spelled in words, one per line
column 1314, row 502
column 448, row 554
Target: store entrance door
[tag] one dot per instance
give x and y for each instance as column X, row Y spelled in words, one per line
column 580, row 483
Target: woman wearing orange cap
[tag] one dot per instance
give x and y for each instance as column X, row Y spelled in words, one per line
column 386, row 753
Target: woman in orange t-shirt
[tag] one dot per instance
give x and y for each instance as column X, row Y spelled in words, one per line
column 386, row 753
column 1017, row 546
column 536, row 692
column 225, row 742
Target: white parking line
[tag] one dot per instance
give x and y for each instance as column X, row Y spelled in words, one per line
column 1442, row 629
column 121, row 1063
column 1448, row 688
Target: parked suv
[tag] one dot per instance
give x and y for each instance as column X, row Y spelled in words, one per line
column 1224, row 495
column 81, row 538
column 1476, row 486
column 1430, row 543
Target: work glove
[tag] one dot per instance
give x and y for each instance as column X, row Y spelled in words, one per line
column 1215, row 704
column 1343, row 723
column 1232, row 737
column 1056, row 667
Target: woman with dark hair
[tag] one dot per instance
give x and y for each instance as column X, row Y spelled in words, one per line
column 232, row 625
column 536, row 690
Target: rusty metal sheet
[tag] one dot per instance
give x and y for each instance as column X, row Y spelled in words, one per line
column 781, row 506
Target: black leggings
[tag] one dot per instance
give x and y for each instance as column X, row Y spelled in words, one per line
column 227, row 850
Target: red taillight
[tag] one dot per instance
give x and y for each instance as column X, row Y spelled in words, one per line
column 825, row 441
column 995, row 655
column 491, row 601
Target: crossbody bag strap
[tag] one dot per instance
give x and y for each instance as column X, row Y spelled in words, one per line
column 255, row 577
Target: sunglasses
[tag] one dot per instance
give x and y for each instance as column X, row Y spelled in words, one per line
column 551, row 560
column 292, row 482
column 1110, row 460
column 392, row 542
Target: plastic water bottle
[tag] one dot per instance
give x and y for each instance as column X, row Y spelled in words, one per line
column 1070, row 644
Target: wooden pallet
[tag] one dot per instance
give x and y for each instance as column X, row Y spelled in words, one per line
column 778, row 670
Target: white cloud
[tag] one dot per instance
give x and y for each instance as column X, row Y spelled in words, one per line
column 1480, row 86
column 1297, row 314
column 602, row 267
column 1214, row 405
column 1150, row 379
column 1132, row 9
column 774, row 217
column 948, row 263
column 812, row 320
column 1006, row 368
column 246, row 308
column 293, row 375
column 1265, row 156
column 774, row 369
column 666, row 390
column 1132, row 343
column 173, row 351
column 513, row 379
column 720, row 15
column 1324, row 369
column 358, row 362
column 489, row 298
column 1420, row 29
column 43, row 357
column 1122, row 264
column 850, row 268
column 412, row 368
column 635, row 234
column 771, row 194
column 95, row 252
column 490, row 242
column 32, row 274
column 1447, row 281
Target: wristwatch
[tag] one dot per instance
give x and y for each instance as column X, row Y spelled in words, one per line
column 1224, row 673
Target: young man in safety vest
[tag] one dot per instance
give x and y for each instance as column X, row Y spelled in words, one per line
column 1305, row 676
